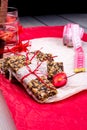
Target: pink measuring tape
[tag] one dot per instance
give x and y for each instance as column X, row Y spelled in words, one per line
column 79, row 59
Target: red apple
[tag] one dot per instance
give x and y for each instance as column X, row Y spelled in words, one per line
column 59, row 79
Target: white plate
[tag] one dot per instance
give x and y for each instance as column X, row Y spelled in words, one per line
column 55, row 46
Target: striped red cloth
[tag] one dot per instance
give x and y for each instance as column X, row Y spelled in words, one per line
column 69, row 114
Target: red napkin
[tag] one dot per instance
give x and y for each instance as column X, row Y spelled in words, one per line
column 69, row 114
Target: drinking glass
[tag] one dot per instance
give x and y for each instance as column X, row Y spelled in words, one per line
column 12, row 14
column 9, row 29
column 12, row 22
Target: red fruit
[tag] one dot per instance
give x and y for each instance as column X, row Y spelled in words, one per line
column 10, row 19
column 8, row 36
column 59, row 79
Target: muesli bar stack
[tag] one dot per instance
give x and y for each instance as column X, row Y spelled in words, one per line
column 39, row 87
column 28, row 72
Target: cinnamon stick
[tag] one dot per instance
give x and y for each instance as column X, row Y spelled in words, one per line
column 3, row 11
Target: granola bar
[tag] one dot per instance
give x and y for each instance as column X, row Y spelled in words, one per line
column 15, row 62
column 44, row 56
column 54, row 68
column 4, row 65
column 41, row 91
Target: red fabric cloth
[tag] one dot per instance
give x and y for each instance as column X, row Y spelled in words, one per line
column 44, row 31
column 39, row 32
column 69, row 114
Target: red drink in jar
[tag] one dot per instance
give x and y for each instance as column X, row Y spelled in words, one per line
column 9, row 31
